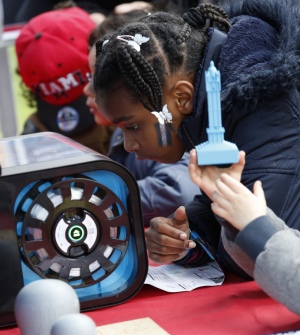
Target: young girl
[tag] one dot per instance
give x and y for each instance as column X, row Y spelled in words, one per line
column 163, row 187
column 149, row 80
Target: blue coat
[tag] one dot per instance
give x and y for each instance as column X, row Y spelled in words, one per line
column 163, row 187
column 259, row 67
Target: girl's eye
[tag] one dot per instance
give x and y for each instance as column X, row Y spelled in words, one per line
column 132, row 127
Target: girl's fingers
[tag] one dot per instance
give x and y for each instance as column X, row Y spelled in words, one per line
column 242, row 160
column 259, row 192
column 192, row 166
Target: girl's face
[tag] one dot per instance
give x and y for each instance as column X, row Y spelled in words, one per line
column 90, row 93
column 138, row 125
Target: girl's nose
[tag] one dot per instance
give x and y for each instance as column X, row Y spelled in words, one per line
column 89, row 90
column 129, row 144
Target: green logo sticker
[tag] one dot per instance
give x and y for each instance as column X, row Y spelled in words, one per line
column 76, row 233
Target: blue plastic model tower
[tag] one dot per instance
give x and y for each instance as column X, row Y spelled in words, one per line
column 215, row 151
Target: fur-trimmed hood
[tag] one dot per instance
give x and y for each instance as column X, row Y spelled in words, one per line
column 260, row 58
column 259, row 61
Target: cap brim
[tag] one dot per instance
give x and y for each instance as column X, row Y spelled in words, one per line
column 69, row 119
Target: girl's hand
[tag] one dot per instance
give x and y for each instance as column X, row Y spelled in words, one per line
column 167, row 239
column 205, row 176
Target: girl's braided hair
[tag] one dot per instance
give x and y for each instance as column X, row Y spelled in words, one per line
column 176, row 44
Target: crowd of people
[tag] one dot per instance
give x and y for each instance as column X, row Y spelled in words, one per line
column 147, row 90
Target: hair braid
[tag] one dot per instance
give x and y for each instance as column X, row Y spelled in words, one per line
column 207, row 15
column 141, row 77
column 185, row 33
column 176, row 45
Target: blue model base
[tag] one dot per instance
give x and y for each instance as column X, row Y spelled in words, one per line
column 217, row 153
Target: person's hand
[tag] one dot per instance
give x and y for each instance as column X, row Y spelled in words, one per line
column 205, row 176
column 135, row 5
column 97, row 17
column 167, row 239
column 236, row 203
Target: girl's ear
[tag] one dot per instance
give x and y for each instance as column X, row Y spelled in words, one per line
column 183, row 93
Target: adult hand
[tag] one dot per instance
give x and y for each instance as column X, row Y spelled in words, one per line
column 205, row 176
column 167, row 239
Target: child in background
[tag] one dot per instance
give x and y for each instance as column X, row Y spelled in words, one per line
column 163, row 187
column 258, row 240
column 53, row 65
column 155, row 70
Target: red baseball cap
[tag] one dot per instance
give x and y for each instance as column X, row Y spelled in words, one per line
column 52, row 53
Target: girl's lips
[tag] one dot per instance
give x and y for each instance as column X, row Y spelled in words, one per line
column 92, row 110
column 141, row 158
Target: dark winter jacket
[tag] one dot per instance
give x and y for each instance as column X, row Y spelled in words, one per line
column 259, row 64
column 163, row 187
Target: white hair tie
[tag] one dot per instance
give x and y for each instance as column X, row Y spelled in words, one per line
column 164, row 116
column 135, row 41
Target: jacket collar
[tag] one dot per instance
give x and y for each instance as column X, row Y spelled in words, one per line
column 191, row 130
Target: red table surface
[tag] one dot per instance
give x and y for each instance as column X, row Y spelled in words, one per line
column 236, row 307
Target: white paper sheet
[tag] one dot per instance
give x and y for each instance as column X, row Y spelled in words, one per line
column 175, row 278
